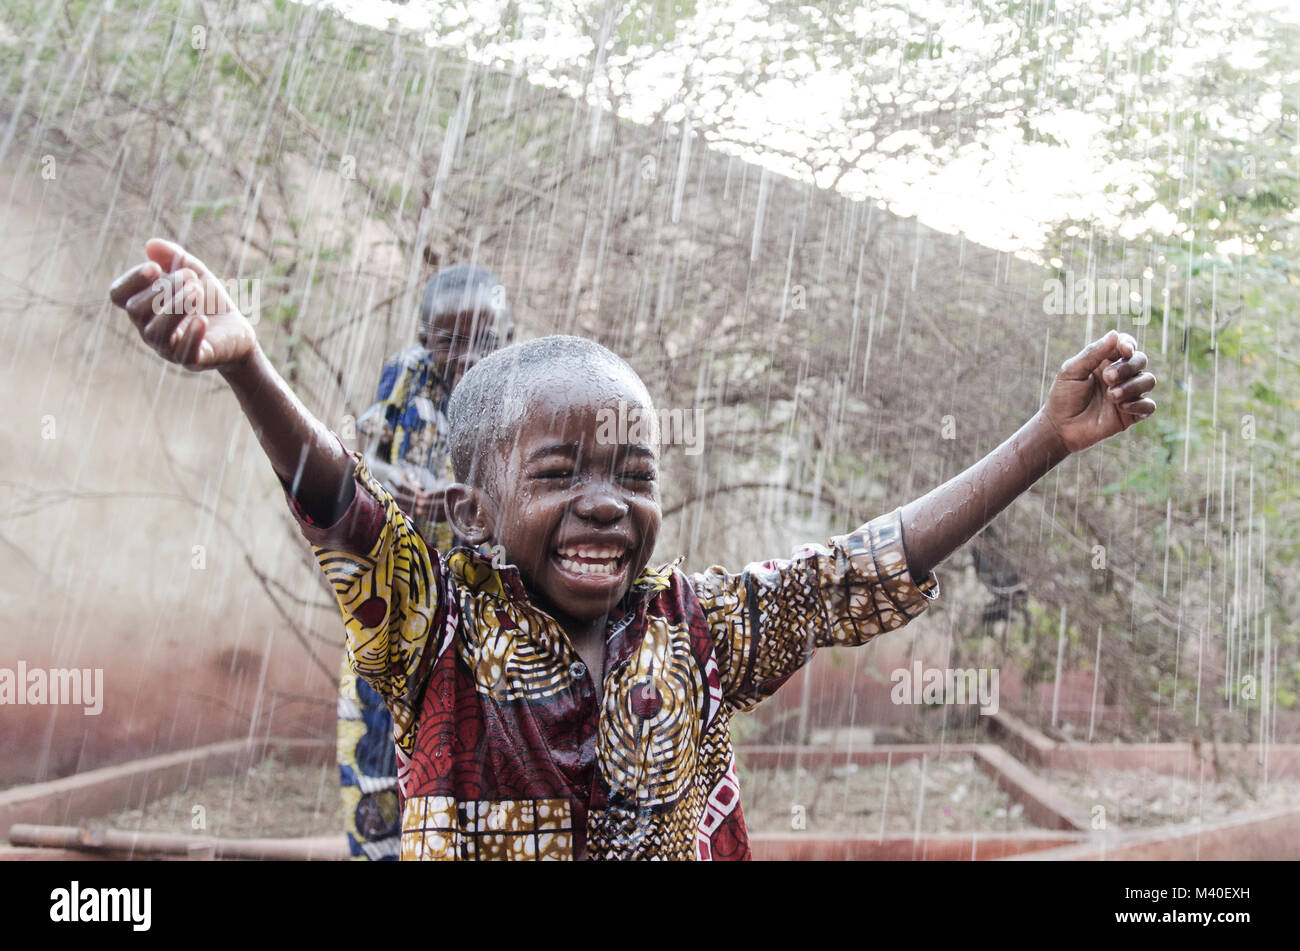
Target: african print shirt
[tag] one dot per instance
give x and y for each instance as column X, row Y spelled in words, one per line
column 502, row 753
column 409, row 420
column 408, row 425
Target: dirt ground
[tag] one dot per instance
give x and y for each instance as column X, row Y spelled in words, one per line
column 280, row 799
column 1141, row 798
column 953, row 796
column 273, row 799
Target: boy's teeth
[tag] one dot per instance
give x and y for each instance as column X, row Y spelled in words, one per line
column 589, row 551
column 590, row 559
column 589, row 567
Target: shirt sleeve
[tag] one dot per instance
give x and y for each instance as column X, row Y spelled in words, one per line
column 389, row 588
column 388, row 378
column 767, row 621
column 375, row 422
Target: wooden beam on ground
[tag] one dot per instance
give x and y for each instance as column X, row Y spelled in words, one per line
column 131, row 785
column 803, row 847
column 1023, row 740
column 167, row 844
column 1274, row 761
column 25, row 853
column 783, row 757
column 1274, row 835
column 1044, row 806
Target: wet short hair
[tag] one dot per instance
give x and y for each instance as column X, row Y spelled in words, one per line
column 492, row 397
column 462, row 287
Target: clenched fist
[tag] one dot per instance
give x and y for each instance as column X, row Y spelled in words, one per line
column 182, row 311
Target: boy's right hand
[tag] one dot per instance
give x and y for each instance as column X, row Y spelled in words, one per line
column 423, row 503
column 421, row 495
column 182, row 311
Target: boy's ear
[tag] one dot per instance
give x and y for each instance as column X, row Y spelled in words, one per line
column 471, row 512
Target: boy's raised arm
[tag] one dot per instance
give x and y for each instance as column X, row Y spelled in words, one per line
column 187, row 317
column 1099, row 392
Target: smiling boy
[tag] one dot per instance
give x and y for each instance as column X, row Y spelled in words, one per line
column 464, row 315
column 575, row 703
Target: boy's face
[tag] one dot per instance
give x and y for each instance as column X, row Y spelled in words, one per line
column 458, row 337
column 578, row 511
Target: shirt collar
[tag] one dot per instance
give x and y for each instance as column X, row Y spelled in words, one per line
column 419, row 360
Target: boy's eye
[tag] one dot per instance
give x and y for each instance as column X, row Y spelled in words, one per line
column 638, row 475
column 559, row 473
column 485, row 342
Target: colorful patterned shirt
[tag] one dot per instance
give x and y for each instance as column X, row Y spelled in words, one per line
column 407, row 426
column 502, row 753
column 409, row 422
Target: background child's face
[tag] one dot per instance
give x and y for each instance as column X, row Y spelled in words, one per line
column 578, row 512
column 458, row 339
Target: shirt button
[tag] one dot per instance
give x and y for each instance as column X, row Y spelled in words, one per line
column 577, row 670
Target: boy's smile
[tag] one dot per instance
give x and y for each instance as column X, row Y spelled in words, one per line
column 579, row 515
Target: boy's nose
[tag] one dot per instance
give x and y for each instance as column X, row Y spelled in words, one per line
column 600, row 503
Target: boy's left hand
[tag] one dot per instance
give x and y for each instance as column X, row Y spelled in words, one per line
column 1101, row 391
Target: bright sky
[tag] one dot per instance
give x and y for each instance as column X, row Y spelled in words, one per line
column 1005, row 194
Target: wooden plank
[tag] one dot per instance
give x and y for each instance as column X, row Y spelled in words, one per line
column 130, row 785
column 1023, row 740
column 1278, row 761
column 802, row 847
column 1271, row 836
column 23, row 853
column 783, row 757
column 164, row 844
column 1044, row 806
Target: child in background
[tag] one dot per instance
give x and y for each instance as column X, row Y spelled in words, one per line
column 575, row 703
column 463, row 316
